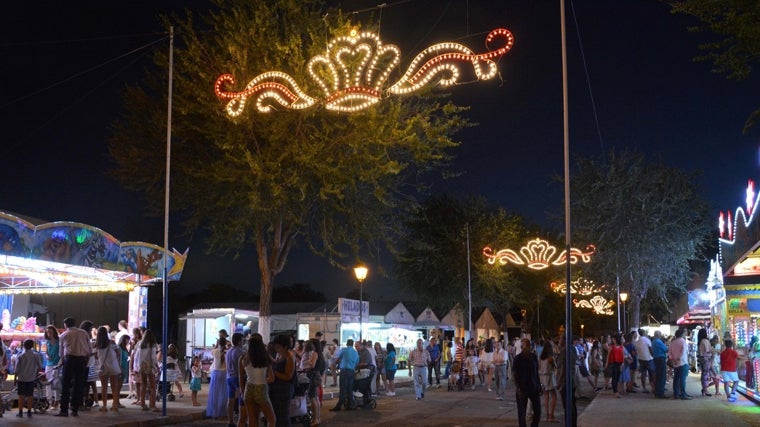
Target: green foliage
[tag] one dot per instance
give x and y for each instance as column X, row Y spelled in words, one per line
column 433, row 263
column 737, row 23
column 647, row 221
column 334, row 181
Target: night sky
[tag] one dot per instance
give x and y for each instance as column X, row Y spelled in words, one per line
column 65, row 63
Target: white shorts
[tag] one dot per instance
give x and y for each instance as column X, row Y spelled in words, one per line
column 729, row 376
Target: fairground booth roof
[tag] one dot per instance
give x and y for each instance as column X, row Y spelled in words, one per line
column 70, row 257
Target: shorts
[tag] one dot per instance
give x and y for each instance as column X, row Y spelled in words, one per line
column 25, row 388
column 729, row 376
column 257, row 394
column 583, row 369
column 647, row 366
column 390, row 374
column 232, row 387
column 195, row 384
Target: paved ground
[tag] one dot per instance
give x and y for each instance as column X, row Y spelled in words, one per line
column 440, row 407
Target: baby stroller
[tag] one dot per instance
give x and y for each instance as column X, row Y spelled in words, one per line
column 300, row 411
column 40, row 403
column 459, row 378
column 165, row 384
column 363, row 384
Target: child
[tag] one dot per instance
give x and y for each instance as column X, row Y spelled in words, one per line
column 27, row 366
column 728, row 363
column 471, row 362
column 195, row 383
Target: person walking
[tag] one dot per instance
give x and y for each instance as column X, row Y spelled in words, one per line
column 615, row 359
column 419, row 358
column 75, row 349
column 346, row 361
column 486, row 361
column 729, row 361
column 434, row 366
column 500, row 369
column 527, row 382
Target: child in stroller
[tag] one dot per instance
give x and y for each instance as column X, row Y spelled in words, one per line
column 459, row 378
column 363, row 384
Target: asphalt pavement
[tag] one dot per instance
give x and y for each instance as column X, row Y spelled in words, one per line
column 444, row 408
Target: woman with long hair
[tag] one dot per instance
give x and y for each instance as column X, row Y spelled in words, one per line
column 172, row 363
column 704, row 358
column 284, row 368
column 255, row 368
column 147, row 362
column 53, row 353
column 123, row 345
column 135, row 384
column 216, row 406
column 390, row 368
column 547, row 372
column 486, row 361
column 108, row 368
column 615, row 359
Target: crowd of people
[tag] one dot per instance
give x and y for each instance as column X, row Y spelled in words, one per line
column 76, row 358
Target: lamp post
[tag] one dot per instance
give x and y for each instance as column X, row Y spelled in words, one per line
column 623, row 298
column 582, row 325
column 361, row 274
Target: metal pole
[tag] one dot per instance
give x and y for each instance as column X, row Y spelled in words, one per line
column 165, row 317
column 569, row 410
column 469, row 281
column 361, row 307
column 617, row 283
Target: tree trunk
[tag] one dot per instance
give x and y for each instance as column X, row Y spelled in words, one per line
column 635, row 313
column 265, row 304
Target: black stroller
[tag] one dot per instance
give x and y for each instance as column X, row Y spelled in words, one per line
column 363, row 384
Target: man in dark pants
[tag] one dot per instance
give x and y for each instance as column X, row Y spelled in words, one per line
column 525, row 372
column 347, row 361
column 75, row 349
column 660, row 354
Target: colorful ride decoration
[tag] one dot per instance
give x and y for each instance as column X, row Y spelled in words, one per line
column 353, row 71
column 59, row 257
column 538, row 254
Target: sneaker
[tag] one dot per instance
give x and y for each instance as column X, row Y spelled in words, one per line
column 62, row 414
column 390, row 393
column 499, row 398
column 731, row 399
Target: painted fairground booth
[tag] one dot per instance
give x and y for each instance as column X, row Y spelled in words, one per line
column 733, row 287
column 75, row 269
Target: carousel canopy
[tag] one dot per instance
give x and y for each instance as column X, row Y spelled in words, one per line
column 60, row 257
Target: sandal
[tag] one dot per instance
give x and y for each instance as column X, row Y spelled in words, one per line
column 103, row 409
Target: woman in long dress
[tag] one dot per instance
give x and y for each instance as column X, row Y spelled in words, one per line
column 282, row 389
column 216, row 406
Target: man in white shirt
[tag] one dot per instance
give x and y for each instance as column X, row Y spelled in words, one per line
column 646, row 360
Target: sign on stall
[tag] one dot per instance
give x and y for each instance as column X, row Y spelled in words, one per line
column 349, row 310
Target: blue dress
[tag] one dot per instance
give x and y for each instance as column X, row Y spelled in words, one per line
column 217, row 391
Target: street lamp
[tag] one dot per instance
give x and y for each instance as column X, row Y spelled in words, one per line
column 623, row 298
column 582, row 325
column 361, row 274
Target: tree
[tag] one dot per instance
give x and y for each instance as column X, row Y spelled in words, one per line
column 334, row 181
column 647, row 221
column 737, row 22
column 433, row 261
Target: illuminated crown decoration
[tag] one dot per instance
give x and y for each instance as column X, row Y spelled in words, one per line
column 538, row 254
column 598, row 304
column 353, row 71
column 581, row 286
